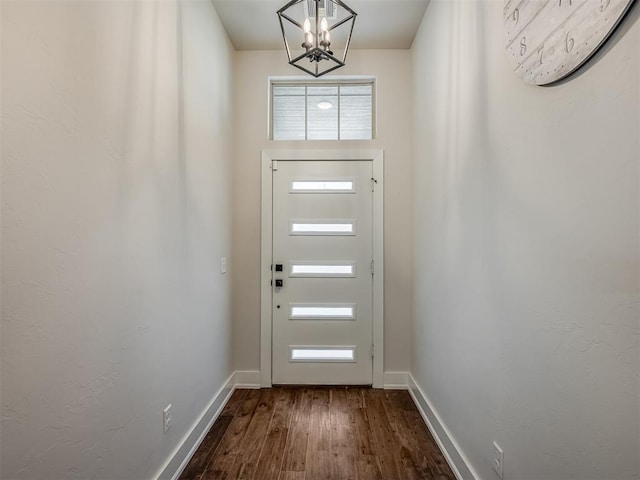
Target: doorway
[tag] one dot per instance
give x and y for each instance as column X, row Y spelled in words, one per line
column 322, row 268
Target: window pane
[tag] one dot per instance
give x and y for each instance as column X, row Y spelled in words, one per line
column 280, row 90
column 356, row 90
column 288, row 118
column 322, row 312
column 355, row 117
column 337, row 269
column 309, row 354
column 331, row 90
column 321, row 228
column 323, row 186
column 322, row 117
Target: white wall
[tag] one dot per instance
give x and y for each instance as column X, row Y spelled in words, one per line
column 526, row 250
column 252, row 70
column 115, row 211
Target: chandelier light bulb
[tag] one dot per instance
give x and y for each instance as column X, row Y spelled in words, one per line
column 324, row 26
column 308, row 38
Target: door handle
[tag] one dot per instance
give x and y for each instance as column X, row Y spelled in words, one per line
column 279, row 283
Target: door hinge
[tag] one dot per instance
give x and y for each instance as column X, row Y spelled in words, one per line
column 372, row 267
column 372, row 351
column 274, row 165
column 373, row 184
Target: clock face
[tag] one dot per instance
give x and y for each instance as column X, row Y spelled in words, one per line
column 546, row 40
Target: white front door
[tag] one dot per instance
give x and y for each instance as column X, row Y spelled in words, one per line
column 322, row 273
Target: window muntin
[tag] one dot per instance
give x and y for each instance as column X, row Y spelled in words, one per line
column 322, row 111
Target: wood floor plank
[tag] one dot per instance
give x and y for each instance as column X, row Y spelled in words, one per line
column 368, row 468
column 273, row 450
column 339, row 406
column 235, row 402
column 343, row 432
column 318, row 463
column 226, row 467
column 295, row 455
column 384, row 440
column 409, row 449
column 198, row 463
column 252, row 444
column 342, row 451
column 362, row 432
column 313, row 433
column 355, row 397
column 228, row 454
column 319, row 427
column 431, row 457
column 291, row 476
column 207, row 449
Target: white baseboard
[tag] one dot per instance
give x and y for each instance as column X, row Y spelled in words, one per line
column 246, row 379
column 454, row 455
column 396, row 380
column 194, row 437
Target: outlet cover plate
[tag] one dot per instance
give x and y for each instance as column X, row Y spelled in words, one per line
column 498, row 459
column 166, row 419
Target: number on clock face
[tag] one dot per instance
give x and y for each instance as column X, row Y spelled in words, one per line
column 548, row 40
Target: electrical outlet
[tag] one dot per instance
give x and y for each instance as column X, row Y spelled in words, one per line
column 498, row 459
column 166, row 419
column 223, row 264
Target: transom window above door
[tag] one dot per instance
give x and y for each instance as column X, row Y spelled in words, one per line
column 321, row 110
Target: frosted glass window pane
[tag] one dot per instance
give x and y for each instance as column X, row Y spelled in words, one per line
column 322, row 312
column 288, row 90
column 322, row 124
column 307, row 270
column 323, row 185
column 323, row 355
column 322, row 90
column 289, row 118
column 355, row 117
column 312, row 228
column 356, row 90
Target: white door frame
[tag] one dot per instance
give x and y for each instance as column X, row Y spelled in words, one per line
column 266, row 253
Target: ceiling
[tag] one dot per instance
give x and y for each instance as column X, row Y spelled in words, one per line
column 380, row 24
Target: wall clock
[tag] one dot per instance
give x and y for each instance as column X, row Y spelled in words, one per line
column 546, row 40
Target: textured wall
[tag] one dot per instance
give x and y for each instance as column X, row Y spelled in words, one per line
column 392, row 69
column 115, row 210
column 526, row 250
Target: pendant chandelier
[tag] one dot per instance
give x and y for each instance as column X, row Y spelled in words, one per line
column 313, row 31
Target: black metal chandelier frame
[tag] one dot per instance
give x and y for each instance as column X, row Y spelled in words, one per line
column 319, row 49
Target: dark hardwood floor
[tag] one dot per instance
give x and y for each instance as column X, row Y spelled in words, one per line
column 299, row 433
